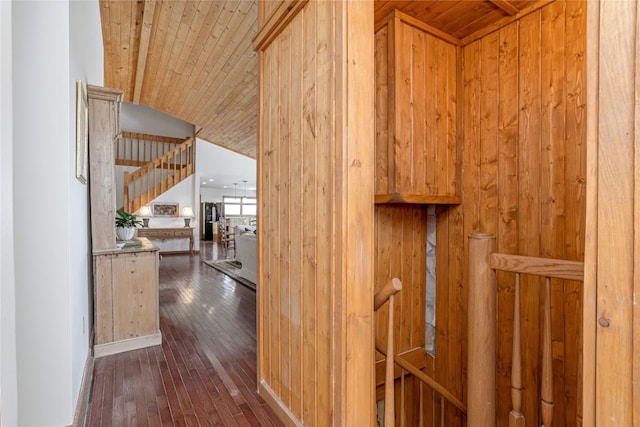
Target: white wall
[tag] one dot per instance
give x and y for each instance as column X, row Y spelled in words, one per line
column 8, row 363
column 225, row 165
column 215, row 194
column 142, row 119
column 52, row 263
column 86, row 64
column 43, row 309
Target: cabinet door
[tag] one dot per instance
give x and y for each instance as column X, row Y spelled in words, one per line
column 135, row 295
column 103, row 278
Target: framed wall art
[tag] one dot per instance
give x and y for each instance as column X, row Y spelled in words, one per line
column 165, row 209
column 82, row 155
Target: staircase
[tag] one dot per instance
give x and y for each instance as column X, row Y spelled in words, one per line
column 164, row 162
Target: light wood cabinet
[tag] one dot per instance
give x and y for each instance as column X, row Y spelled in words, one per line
column 125, row 281
column 126, row 299
column 416, row 121
column 104, row 118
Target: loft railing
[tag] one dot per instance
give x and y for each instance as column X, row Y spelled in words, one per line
column 158, row 176
column 138, row 149
column 393, row 360
column 483, row 263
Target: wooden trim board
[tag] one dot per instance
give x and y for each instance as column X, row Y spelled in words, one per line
column 101, row 350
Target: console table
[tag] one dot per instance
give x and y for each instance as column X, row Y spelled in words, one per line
column 169, row 233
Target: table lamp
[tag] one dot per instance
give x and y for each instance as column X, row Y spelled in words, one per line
column 144, row 213
column 187, row 213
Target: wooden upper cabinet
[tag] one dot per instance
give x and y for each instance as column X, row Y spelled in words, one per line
column 104, row 126
column 416, row 122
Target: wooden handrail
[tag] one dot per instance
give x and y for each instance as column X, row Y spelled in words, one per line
column 387, row 292
column 483, row 263
column 137, row 149
column 392, row 287
column 424, row 378
column 544, row 267
column 146, row 183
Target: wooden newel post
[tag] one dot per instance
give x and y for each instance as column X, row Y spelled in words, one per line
column 481, row 362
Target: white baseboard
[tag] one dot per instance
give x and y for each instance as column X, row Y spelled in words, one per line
column 101, row 350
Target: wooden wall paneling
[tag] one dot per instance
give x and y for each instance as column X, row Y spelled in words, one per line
column 401, row 236
column 281, row 254
column 419, row 277
column 356, row 162
column 270, row 170
column 445, row 347
column 516, row 150
column 575, row 182
column 325, row 75
column 336, row 197
column 418, row 113
column 636, row 245
column 405, row 303
column 615, row 29
column 382, row 111
column 636, row 249
column 383, row 232
column 489, row 134
column 528, row 203
column 470, row 152
column 421, row 126
column 552, row 186
column 310, row 204
column 507, row 178
column 397, row 256
column 430, row 118
column 296, row 216
column 442, row 54
column 403, row 120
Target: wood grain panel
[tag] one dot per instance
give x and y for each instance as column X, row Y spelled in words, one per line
column 103, row 108
column 612, row 271
column 316, row 233
column 575, row 185
column 518, row 161
column 419, row 82
column 401, row 251
column 459, row 18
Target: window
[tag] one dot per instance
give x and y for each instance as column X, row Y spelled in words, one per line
column 239, row 206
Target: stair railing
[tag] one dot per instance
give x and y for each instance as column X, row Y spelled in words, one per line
column 483, row 263
column 158, row 176
column 406, row 367
column 137, row 149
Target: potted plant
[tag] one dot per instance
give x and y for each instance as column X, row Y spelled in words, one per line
column 126, row 225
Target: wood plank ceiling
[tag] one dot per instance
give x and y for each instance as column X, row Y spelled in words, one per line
column 194, row 59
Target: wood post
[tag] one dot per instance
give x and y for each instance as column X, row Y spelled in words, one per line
column 389, row 398
column 392, row 287
column 516, row 418
column 546, row 393
column 481, row 365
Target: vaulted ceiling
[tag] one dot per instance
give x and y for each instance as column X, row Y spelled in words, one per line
column 194, row 59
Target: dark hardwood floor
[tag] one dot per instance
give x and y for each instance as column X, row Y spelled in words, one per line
column 204, row 374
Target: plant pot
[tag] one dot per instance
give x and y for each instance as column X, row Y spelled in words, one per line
column 125, row 233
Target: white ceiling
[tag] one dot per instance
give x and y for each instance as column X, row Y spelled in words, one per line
column 225, row 168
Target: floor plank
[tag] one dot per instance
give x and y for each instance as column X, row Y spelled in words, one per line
column 204, row 373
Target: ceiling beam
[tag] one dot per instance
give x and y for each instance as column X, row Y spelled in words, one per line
column 145, row 35
column 506, row 6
